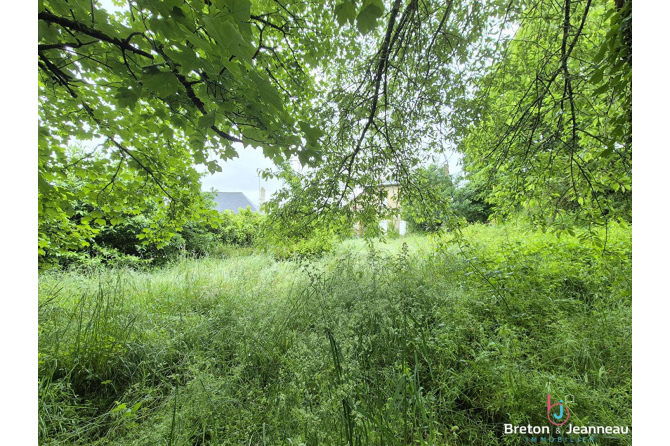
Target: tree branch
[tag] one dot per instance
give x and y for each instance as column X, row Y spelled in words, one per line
column 92, row 32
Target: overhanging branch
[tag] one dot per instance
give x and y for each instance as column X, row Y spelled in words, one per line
column 91, row 32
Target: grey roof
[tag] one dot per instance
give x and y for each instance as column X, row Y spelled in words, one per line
column 232, row 201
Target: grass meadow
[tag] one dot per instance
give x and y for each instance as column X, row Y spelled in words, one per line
column 416, row 341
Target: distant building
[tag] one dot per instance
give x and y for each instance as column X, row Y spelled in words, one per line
column 232, row 201
column 389, row 193
column 392, row 191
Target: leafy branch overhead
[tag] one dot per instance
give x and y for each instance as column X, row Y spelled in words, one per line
column 553, row 132
column 159, row 86
column 536, row 95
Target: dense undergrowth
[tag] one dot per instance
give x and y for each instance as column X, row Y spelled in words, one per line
column 436, row 343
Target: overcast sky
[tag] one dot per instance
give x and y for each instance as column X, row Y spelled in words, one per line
column 241, row 174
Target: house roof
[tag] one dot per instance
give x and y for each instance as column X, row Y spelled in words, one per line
column 232, row 201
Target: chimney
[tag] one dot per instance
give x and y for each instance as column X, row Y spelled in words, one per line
column 446, row 169
column 262, row 200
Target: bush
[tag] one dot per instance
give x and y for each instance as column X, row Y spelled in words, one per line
column 241, row 229
column 121, row 245
column 451, row 198
column 470, row 202
column 304, row 248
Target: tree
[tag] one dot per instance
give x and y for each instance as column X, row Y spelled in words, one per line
column 552, row 121
column 388, row 111
column 159, row 86
column 537, row 95
column 451, row 199
column 470, row 201
column 430, row 215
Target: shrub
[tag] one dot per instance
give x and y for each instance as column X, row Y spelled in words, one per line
column 121, row 245
column 241, row 229
column 312, row 247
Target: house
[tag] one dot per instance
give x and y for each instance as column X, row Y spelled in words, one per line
column 232, row 201
column 389, row 193
column 391, row 190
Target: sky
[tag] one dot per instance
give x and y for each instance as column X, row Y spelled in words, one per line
column 241, row 174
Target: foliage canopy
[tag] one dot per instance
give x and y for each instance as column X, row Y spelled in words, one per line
column 536, row 94
column 158, row 87
column 553, row 118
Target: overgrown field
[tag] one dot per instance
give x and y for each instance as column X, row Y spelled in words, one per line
column 433, row 344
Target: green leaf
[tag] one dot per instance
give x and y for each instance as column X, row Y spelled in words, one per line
column 163, row 83
column 118, row 408
column 597, row 75
column 607, row 152
column 303, row 157
column 601, row 54
column 240, row 9
column 178, row 14
column 207, row 121
column 46, row 32
column 267, row 91
column 345, row 11
column 186, row 58
column 127, row 98
column 42, row 184
column 367, row 18
column 312, row 134
column 229, row 39
column 602, row 89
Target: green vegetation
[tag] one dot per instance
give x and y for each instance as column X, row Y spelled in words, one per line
column 538, row 95
column 431, row 343
column 553, row 133
column 121, row 245
column 162, row 321
column 454, row 195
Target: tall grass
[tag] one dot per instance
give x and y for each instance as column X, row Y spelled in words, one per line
column 432, row 343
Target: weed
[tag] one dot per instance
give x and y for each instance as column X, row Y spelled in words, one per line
column 423, row 342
